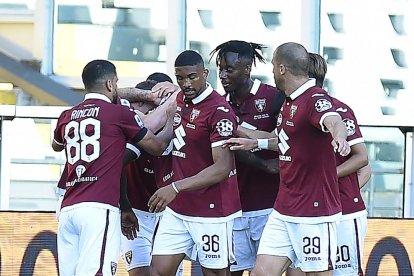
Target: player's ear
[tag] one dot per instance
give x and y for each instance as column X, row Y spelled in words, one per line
column 205, row 73
column 109, row 85
column 248, row 69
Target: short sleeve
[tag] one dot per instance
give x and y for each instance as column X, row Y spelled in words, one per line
column 223, row 125
column 353, row 131
column 132, row 125
column 58, row 135
column 321, row 106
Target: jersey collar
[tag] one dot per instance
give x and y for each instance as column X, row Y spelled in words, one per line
column 203, row 94
column 98, row 96
column 310, row 83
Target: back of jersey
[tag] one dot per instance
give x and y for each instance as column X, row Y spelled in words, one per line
column 94, row 134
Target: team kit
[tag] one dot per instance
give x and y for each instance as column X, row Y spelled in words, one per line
column 260, row 179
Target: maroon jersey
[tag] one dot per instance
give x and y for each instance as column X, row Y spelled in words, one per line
column 163, row 168
column 259, row 110
column 94, row 134
column 141, row 180
column 308, row 178
column 351, row 199
column 62, row 181
column 199, row 125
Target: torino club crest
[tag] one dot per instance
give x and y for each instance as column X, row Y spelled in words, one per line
column 194, row 114
column 260, row 104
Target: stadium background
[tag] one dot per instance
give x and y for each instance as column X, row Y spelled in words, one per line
column 44, row 44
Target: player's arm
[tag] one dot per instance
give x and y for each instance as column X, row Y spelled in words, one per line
column 337, row 128
column 156, row 144
column 249, row 158
column 57, row 146
column 358, row 159
column 129, row 222
column 249, row 144
column 220, row 169
column 157, row 119
column 364, row 174
column 133, row 94
column 244, row 132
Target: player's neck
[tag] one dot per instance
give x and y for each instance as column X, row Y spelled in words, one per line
column 239, row 95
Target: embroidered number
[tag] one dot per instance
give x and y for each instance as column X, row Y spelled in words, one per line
column 311, row 245
column 211, row 243
column 342, row 254
column 179, row 137
column 81, row 141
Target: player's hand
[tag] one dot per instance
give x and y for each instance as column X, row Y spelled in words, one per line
column 163, row 89
column 341, row 146
column 161, row 198
column 240, row 144
column 129, row 224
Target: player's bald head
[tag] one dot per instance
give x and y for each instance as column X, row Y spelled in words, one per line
column 294, row 56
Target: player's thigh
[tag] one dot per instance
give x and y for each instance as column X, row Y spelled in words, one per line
column 137, row 252
column 244, row 247
column 314, row 245
column 172, row 243
column 270, row 265
column 213, row 243
column 275, row 241
column 67, row 244
column 99, row 240
column 351, row 236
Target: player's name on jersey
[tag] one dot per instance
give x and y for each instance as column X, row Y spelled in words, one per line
column 81, row 179
column 86, row 112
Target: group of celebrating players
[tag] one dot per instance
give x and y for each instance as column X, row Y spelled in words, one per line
column 263, row 179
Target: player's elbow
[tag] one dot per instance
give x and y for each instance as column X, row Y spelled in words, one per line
column 56, row 147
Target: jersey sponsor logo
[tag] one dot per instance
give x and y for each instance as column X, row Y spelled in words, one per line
column 167, row 176
column 322, row 105
column 293, row 109
column 148, row 170
column 178, row 153
column 350, row 126
column 194, row 114
column 113, row 267
column 80, row 169
column 192, row 126
column 139, row 121
column 285, row 158
column 261, row 116
column 260, row 104
column 81, row 179
column 224, row 127
column 177, row 119
column 128, row 256
column 289, row 123
column 283, row 144
column 232, row 173
column 222, row 108
column 279, row 119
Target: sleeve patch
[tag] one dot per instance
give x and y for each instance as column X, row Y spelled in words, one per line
column 322, row 105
